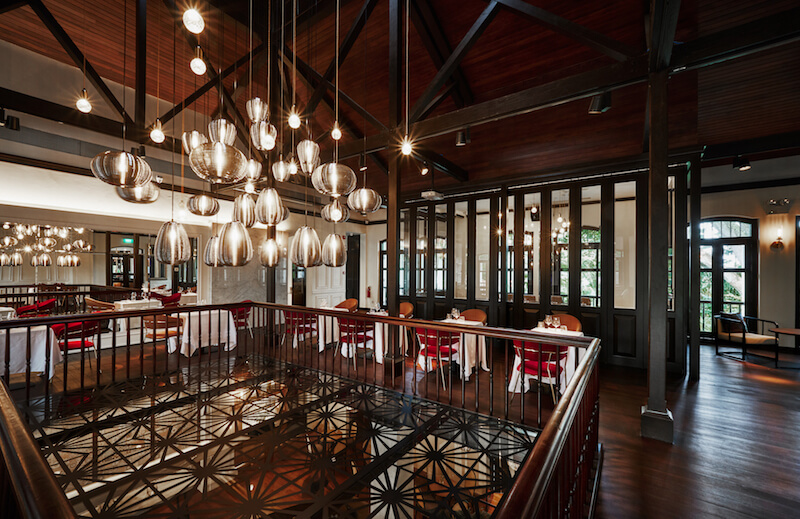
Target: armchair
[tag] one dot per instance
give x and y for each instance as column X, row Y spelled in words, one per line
column 734, row 330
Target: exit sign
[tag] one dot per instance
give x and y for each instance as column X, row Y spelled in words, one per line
column 127, row 241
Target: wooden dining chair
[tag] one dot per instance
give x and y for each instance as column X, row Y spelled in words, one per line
column 570, row 321
column 351, row 305
column 439, row 345
column 160, row 327
column 95, row 305
column 406, row 311
column 474, row 314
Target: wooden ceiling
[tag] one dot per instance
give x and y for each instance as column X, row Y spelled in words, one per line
column 750, row 97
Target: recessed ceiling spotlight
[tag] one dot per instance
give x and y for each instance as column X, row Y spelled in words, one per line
column 193, row 21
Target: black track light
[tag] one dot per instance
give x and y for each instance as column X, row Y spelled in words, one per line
column 741, row 163
column 600, row 103
column 463, row 138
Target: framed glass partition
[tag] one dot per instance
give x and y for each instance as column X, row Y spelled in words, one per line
column 422, row 249
column 509, row 246
column 440, row 252
column 460, row 249
column 404, row 245
column 483, row 234
column 625, row 245
column 590, row 246
column 532, row 246
column 559, row 235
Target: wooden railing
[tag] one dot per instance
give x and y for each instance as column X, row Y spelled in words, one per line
column 551, row 483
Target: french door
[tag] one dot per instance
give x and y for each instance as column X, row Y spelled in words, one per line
column 728, row 266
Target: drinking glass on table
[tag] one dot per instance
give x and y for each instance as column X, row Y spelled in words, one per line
column 557, row 322
column 456, row 313
column 548, row 320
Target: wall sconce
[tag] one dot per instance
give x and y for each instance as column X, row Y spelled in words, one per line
column 778, row 243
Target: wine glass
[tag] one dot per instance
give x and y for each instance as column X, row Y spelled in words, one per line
column 456, row 313
column 548, row 320
column 557, row 322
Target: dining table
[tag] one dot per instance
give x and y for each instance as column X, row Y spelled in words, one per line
column 519, row 384
column 327, row 329
column 471, row 350
column 382, row 335
column 126, row 305
column 203, row 329
column 7, row 312
column 17, row 342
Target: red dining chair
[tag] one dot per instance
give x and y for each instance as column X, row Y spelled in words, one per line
column 298, row 324
column 439, row 345
column 353, row 333
column 38, row 309
column 534, row 358
column 78, row 336
column 171, row 301
column 241, row 316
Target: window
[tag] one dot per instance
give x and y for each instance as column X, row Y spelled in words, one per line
column 440, row 252
column 559, row 234
column 422, row 249
column 404, row 244
column 625, row 245
column 531, row 244
column 482, row 236
column 384, row 274
column 590, row 246
column 460, row 250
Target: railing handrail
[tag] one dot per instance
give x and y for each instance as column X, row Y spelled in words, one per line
column 526, row 497
column 39, row 496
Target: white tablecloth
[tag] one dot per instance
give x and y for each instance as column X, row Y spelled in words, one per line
column 382, row 335
column 18, row 348
column 133, row 304
column 189, row 298
column 327, row 329
column 519, row 384
column 470, row 352
column 203, row 329
column 7, row 312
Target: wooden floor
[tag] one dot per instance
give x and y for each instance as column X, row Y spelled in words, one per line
column 736, row 451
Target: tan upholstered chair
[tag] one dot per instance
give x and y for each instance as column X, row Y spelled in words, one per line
column 570, row 321
column 95, row 305
column 351, row 305
column 161, row 326
column 474, row 314
column 733, row 330
column 406, row 310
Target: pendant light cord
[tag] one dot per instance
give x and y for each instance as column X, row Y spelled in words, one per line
column 124, row 71
column 408, row 8
column 336, row 89
column 364, row 116
column 294, row 54
column 250, row 83
column 172, row 162
column 269, row 58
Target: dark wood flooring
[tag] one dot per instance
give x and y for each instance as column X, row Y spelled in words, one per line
column 737, row 443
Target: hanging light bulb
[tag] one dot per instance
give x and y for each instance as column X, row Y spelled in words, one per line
column 120, row 168
column 211, row 252
column 294, row 119
column 198, row 64
column 292, row 165
column 193, row 21
column 364, row 200
column 48, row 242
column 308, row 155
column 218, row 163
column 405, row 147
column 305, row 250
column 280, row 170
column 334, row 251
column 250, row 188
column 269, row 252
column 269, row 207
column 62, row 261
column 146, row 194
column 263, row 135
column 235, row 247
column 244, row 210
column 336, row 133
column 334, row 179
column 172, row 244
column 191, row 140
column 203, row 205
column 335, row 212
column 157, row 133
column 253, row 171
column 257, row 110
column 83, row 104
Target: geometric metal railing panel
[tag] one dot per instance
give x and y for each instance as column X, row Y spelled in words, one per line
column 261, row 438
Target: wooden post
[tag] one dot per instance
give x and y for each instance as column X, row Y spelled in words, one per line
column 694, row 281
column 657, row 420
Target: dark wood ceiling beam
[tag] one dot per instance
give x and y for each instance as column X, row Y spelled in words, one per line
column 599, row 42
column 436, row 101
column 7, row 5
column 449, row 67
column 432, row 35
column 211, row 83
column 664, row 22
column 78, row 58
column 442, row 164
column 770, row 143
column 344, row 49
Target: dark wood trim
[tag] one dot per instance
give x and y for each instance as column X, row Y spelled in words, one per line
column 412, row 258
column 494, row 206
column 575, row 210
column 441, row 163
column 472, row 238
column 599, row 42
column 680, row 272
column 663, row 22
column 446, row 71
column 546, row 257
column 450, row 282
column 728, row 150
column 502, row 249
column 10, row 5
column 695, row 175
column 519, row 261
column 607, row 205
column 430, row 256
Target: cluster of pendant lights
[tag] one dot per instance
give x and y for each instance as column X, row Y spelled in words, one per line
column 40, row 241
column 214, row 158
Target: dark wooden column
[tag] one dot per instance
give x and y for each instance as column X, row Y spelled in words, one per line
column 657, row 420
column 694, row 280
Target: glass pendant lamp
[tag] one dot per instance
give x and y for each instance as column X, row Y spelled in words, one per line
column 244, row 210
column 146, row 194
column 203, row 205
column 263, row 135
column 364, row 200
column 218, row 163
column 335, row 212
column 235, row 246
column 172, row 244
column 8, row 241
column 5, row 260
column 269, row 207
column 253, row 171
column 305, row 250
column 269, row 252
column 308, row 155
column 211, row 252
column 62, row 261
column 73, row 260
column 191, row 140
column 257, row 110
column 334, row 179
column 222, row 130
column 120, row 168
column 17, row 259
column 280, row 170
column 334, row 250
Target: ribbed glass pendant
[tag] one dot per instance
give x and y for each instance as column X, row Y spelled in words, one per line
column 334, row 251
column 364, row 200
column 269, row 252
column 8, row 241
column 257, row 110
column 308, row 155
column 42, row 260
column 280, row 170
column 269, row 207
column 218, row 163
column 263, row 135
column 253, row 171
column 146, row 194
column 172, row 244
column 17, row 259
column 244, row 210
column 222, row 130
column 73, row 260
column 335, row 212
column 120, row 168
column 47, row 242
column 211, row 252
column 191, row 140
column 203, row 205
column 235, row 247
column 62, row 261
column 334, row 179
column 5, row 260
column 305, row 249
